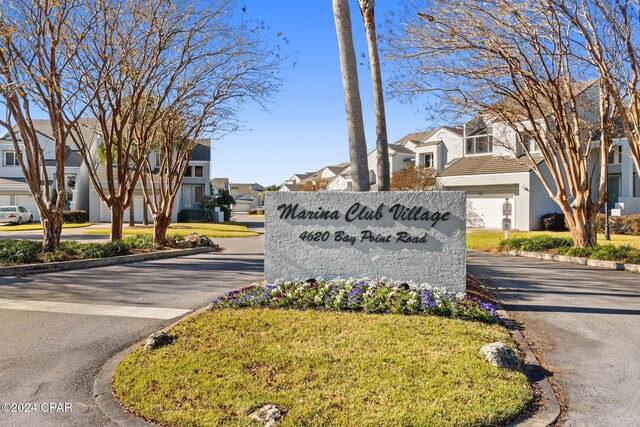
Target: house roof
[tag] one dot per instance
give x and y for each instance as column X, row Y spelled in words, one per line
column 220, row 183
column 458, row 130
column 290, row 187
column 487, row 165
column 10, row 182
column 401, row 149
column 202, row 151
column 415, row 137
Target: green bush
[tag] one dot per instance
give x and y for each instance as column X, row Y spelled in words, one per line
column 19, row 251
column 605, row 252
column 75, row 217
column 141, row 241
column 103, row 250
column 626, row 224
column 541, row 242
column 553, row 222
column 55, row 256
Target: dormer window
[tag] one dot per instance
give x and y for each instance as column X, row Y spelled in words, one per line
column 615, row 155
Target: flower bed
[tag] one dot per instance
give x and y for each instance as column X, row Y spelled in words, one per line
column 366, row 295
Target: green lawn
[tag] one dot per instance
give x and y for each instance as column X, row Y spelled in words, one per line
column 488, row 240
column 36, row 226
column 228, row 229
column 324, row 369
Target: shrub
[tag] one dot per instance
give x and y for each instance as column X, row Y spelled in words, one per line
column 75, row 217
column 141, row 241
column 362, row 295
column 19, row 251
column 541, row 242
column 553, row 222
column 606, row 253
column 55, row 256
column 626, row 224
column 103, row 250
column 183, row 216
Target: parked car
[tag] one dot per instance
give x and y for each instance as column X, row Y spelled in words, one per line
column 15, row 214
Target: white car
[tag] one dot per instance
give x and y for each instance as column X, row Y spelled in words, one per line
column 15, row 214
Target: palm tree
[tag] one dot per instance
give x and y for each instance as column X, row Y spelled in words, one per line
column 382, row 148
column 353, row 104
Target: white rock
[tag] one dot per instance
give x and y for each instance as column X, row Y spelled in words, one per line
column 268, row 414
column 501, row 355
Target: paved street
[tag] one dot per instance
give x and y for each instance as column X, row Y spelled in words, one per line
column 58, row 329
column 586, row 323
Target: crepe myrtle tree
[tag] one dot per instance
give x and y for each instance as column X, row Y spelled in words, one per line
column 512, row 65
column 152, row 57
column 39, row 42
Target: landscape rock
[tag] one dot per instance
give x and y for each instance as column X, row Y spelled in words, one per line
column 501, row 355
column 268, row 414
column 157, row 340
column 194, row 240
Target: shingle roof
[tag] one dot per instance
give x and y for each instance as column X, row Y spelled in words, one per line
column 487, row 165
column 401, row 149
column 429, row 144
column 415, row 137
column 202, row 151
column 458, row 130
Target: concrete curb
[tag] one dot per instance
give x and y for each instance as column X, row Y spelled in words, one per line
column 536, row 375
column 610, row 265
column 103, row 390
column 49, row 267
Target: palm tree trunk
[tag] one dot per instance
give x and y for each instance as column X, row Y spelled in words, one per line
column 353, row 104
column 382, row 146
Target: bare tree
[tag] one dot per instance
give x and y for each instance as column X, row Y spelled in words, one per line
column 512, row 64
column 353, row 103
column 608, row 32
column 38, row 44
column 382, row 146
column 147, row 52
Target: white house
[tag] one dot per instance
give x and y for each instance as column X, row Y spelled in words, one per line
column 246, row 196
column 81, row 195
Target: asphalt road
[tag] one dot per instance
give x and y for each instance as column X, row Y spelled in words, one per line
column 58, row 329
column 586, row 323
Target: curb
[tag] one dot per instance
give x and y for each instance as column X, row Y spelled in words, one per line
column 610, row 265
column 98, row 262
column 103, row 390
column 536, row 375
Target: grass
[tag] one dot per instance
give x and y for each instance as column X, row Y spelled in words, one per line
column 324, row 369
column 228, row 229
column 489, row 240
column 29, row 227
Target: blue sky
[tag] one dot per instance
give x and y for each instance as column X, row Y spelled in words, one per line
column 305, row 128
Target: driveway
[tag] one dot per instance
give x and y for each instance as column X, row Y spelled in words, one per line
column 586, row 323
column 58, row 329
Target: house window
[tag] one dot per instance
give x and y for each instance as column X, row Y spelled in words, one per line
column 10, row 158
column 479, row 144
column 158, row 158
column 199, row 193
column 187, row 171
column 428, row 160
column 615, row 155
column 529, row 142
column 372, row 177
column 198, row 171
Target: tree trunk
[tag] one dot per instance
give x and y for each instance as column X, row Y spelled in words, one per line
column 161, row 223
column 145, row 211
column 382, row 146
column 582, row 225
column 51, row 230
column 132, row 214
column 117, row 213
column 353, row 104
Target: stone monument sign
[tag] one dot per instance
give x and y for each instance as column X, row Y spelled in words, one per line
column 406, row 236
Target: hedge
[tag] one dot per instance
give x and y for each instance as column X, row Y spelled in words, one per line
column 75, row 217
column 626, row 224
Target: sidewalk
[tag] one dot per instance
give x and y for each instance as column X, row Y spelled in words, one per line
column 585, row 322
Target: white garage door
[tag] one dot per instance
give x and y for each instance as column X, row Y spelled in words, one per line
column 5, row 200
column 242, row 206
column 30, row 204
column 485, row 212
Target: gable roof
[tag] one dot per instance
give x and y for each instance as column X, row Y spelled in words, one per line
column 400, row 149
column 488, row 165
column 415, row 137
